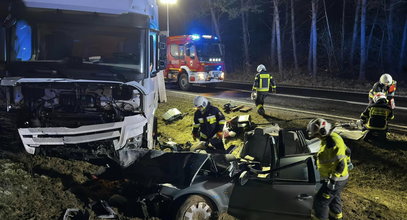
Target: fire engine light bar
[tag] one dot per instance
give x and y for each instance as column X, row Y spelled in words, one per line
column 195, row 37
column 207, row 36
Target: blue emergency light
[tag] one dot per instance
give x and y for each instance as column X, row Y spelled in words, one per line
column 195, row 37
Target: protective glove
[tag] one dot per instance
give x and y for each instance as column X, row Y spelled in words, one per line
column 330, row 184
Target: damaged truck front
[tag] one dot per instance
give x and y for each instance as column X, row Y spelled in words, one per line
column 80, row 76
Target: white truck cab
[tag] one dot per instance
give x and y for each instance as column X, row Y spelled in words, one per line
column 80, row 75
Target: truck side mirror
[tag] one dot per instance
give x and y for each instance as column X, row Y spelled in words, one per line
column 187, row 51
column 162, row 57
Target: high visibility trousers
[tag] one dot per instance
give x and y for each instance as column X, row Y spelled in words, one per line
column 328, row 203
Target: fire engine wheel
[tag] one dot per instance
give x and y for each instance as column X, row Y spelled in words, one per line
column 183, row 82
column 196, row 208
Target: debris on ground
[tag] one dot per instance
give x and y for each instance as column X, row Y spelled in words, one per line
column 172, row 115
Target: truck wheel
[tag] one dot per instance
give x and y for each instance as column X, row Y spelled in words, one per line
column 183, row 82
column 196, row 207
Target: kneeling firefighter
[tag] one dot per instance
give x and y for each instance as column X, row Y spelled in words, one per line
column 263, row 81
column 376, row 116
column 208, row 124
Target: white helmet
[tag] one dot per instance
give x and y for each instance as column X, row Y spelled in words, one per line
column 200, row 101
column 318, row 126
column 386, row 79
column 260, row 68
column 378, row 96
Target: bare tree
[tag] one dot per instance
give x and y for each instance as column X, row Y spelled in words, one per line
column 273, row 43
column 403, row 48
column 355, row 33
column 314, row 38
column 362, row 71
column 293, row 36
column 389, row 47
column 245, row 29
column 278, row 36
column 343, row 32
column 331, row 48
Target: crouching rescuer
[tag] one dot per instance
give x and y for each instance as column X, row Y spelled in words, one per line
column 208, row 125
column 332, row 162
column 263, row 81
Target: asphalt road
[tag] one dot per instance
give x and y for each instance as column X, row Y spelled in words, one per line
column 345, row 105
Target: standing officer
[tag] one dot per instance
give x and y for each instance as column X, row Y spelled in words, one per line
column 261, row 86
column 385, row 85
column 332, row 163
column 208, row 123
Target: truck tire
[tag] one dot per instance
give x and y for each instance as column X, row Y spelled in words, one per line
column 196, row 207
column 183, row 82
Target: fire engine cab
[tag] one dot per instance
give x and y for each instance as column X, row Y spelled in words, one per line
column 194, row 59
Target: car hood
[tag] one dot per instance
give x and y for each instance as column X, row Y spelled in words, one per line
column 157, row 167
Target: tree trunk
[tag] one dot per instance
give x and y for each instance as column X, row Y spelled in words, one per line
column 389, row 51
column 273, row 43
column 279, row 52
column 293, row 36
column 215, row 23
column 369, row 41
column 244, row 16
column 314, row 38
column 355, row 33
column 343, row 32
column 331, row 47
column 310, row 51
column 362, row 70
column 403, row 49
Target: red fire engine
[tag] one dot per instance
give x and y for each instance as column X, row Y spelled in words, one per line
column 194, row 59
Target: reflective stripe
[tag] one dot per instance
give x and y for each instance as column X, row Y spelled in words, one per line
column 336, row 216
column 203, row 135
column 326, row 196
column 336, row 158
column 259, row 106
column 379, row 111
column 247, row 157
column 200, row 120
column 265, row 175
column 195, row 125
column 222, row 122
column 341, row 178
column 211, row 119
column 265, row 168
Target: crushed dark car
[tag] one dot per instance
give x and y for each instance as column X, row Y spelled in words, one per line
column 275, row 177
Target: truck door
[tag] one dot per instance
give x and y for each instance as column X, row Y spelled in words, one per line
column 286, row 194
column 191, row 57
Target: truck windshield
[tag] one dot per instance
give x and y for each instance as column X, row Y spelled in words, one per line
column 91, row 44
column 208, row 50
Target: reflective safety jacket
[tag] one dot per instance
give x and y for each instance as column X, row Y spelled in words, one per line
column 389, row 91
column 377, row 115
column 208, row 122
column 333, row 158
column 263, row 81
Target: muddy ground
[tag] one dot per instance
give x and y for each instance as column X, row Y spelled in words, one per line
column 36, row 187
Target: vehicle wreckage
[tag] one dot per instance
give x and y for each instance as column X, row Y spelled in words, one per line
column 276, row 166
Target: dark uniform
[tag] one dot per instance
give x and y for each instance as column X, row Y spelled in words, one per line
column 332, row 162
column 376, row 115
column 263, row 81
column 378, row 87
column 207, row 124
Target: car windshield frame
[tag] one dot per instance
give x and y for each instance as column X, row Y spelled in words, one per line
column 208, row 49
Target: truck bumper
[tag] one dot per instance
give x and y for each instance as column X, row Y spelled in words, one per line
column 206, row 77
column 118, row 132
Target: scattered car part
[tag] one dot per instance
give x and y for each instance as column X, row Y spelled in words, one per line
column 103, row 210
column 172, row 115
column 76, row 214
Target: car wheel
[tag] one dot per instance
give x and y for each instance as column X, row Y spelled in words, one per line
column 196, row 208
column 183, row 82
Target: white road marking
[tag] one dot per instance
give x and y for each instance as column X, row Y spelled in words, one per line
column 288, row 109
column 316, row 98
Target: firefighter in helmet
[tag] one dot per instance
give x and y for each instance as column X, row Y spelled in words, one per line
column 376, row 116
column 263, row 81
column 385, row 85
column 208, row 124
column 332, row 162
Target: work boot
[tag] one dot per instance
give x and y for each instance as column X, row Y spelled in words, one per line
column 261, row 111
